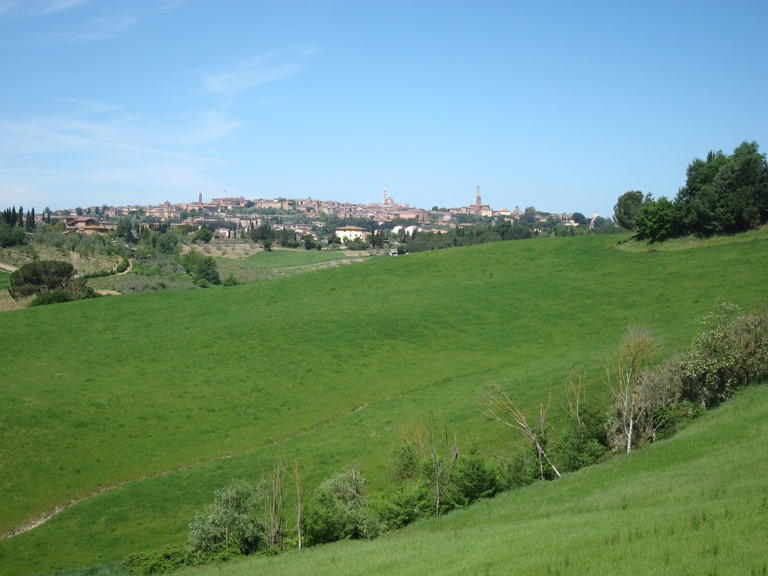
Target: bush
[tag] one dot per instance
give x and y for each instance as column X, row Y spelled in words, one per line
column 12, row 236
column 230, row 523
column 40, row 276
column 730, row 353
column 202, row 268
column 53, row 297
column 339, row 510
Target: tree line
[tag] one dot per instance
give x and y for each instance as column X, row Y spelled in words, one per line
column 13, row 226
column 430, row 473
column 723, row 194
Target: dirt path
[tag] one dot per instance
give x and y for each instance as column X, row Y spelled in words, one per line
column 43, row 518
column 8, row 267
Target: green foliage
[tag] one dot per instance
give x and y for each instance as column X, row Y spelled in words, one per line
column 729, row 353
column 722, row 195
column 356, row 244
column 627, row 209
column 231, row 522
column 583, row 440
column 202, row 268
column 11, row 235
column 657, row 220
column 339, row 510
column 161, row 562
column 52, row 297
column 124, row 227
column 203, row 234
column 725, row 194
column 167, row 242
column 41, row 276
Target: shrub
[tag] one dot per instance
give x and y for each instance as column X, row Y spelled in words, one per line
column 730, row 353
column 230, row 523
column 53, row 297
column 339, row 510
column 40, row 276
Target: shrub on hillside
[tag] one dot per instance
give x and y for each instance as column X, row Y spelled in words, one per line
column 339, row 510
column 230, row 523
column 41, row 276
column 731, row 352
column 11, row 236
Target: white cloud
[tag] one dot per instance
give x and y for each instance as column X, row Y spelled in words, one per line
column 98, row 151
column 56, row 6
column 248, row 74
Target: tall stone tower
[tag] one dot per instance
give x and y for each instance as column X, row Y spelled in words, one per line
column 478, row 202
column 200, row 198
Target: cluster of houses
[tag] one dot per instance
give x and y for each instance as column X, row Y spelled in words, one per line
column 229, row 213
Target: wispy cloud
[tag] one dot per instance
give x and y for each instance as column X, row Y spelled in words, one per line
column 101, row 21
column 261, row 70
column 55, row 6
column 7, row 6
column 98, row 149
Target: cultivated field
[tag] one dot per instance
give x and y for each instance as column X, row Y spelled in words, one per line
column 172, row 395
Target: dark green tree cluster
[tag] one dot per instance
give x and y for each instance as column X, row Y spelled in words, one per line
column 50, row 281
column 722, row 195
column 13, row 226
column 202, row 268
column 465, row 236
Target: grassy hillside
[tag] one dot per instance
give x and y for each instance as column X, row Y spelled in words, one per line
column 325, row 367
column 695, row 504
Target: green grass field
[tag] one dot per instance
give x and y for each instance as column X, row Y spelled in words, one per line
column 694, row 504
column 176, row 393
column 5, row 280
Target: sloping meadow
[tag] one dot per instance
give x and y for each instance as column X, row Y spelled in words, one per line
column 143, row 405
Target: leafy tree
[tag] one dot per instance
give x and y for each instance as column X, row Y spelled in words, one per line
column 729, row 353
column 41, row 276
column 124, row 227
column 202, row 268
column 579, row 219
column 627, row 208
column 203, row 234
column 30, row 226
column 11, row 236
column 230, row 522
column 167, row 242
column 658, row 220
column 339, row 510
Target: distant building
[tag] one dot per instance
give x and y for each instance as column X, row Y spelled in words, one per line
column 351, row 233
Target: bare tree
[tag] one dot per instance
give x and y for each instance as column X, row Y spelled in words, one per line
column 575, row 396
column 498, row 406
column 272, row 492
column 623, row 376
column 443, row 456
column 299, row 494
column 432, row 444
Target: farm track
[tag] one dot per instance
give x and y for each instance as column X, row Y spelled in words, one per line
column 43, row 518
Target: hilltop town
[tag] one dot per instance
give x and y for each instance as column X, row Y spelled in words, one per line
column 228, row 215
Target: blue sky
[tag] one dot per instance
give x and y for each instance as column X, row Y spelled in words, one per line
column 561, row 105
